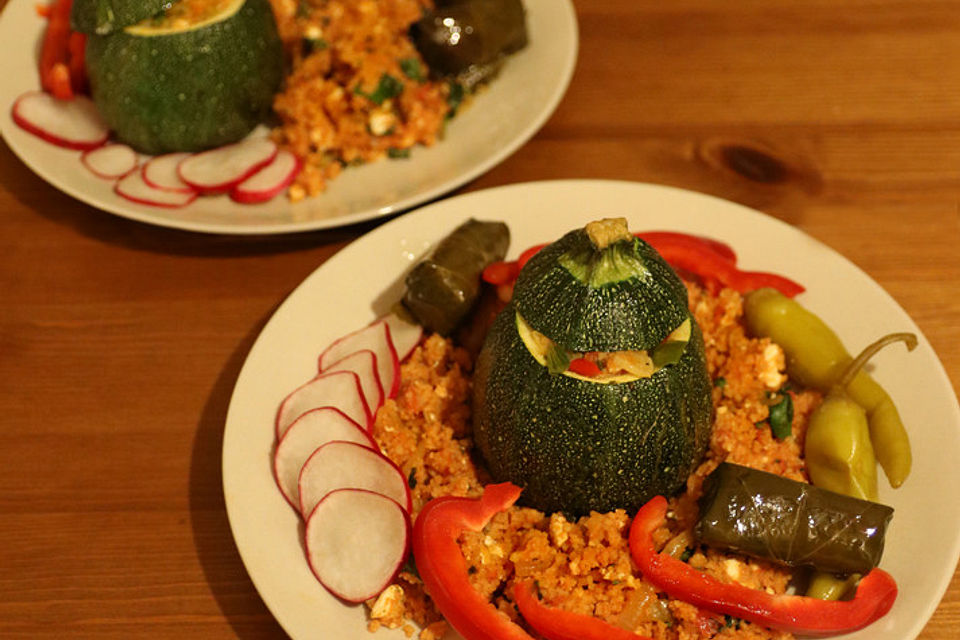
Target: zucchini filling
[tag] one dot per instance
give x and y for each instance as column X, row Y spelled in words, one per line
column 604, row 367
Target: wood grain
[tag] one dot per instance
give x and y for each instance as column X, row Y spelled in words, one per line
column 120, row 342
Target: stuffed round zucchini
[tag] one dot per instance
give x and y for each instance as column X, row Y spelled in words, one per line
column 201, row 74
column 591, row 391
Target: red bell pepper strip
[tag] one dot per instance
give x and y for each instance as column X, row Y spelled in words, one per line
column 77, row 48
column 557, row 624
column 61, row 65
column 662, row 237
column 713, row 261
column 797, row 614
column 529, row 253
column 500, row 272
column 443, row 569
column 700, row 257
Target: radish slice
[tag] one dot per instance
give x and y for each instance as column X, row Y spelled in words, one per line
column 339, row 389
column 341, row 465
column 160, row 172
column 111, row 161
column 219, row 170
column 404, row 334
column 133, row 188
column 308, row 433
column 376, row 338
column 364, row 364
column 268, row 181
column 72, row 124
column 356, row 543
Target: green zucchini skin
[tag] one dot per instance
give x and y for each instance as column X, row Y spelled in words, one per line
column 634, row 314
column 106, row 16
column 576, row 446
column 190, row 90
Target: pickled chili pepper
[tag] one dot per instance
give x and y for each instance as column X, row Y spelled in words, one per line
column 816, row 358
column 802, row 615
column 557, row 624
column 839, row 453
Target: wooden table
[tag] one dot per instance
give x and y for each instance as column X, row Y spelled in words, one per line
column 120, row 342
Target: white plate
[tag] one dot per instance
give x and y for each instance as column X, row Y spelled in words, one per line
column 497, row 122
column 362, row 280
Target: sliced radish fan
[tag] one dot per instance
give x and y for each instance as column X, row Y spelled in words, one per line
column 160, row 172
column 72, row 124
column 268, row 181
column 404, row 334
column 340, row 389
column 356, row 542
column 307, row 434
column 110, row 161
column 376, row 338
column 340, row 465
column 364, row 364
column 133, row 188
column 219, row 170
column 356, row 502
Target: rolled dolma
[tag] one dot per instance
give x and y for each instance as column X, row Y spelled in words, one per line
column 442, row 289
column 793, row 523
column 470, row 38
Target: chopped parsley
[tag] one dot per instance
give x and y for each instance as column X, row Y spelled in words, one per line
column 781, row 417
column 388, row 87
column 412, row 69
column 394, row 152
column 455, row 98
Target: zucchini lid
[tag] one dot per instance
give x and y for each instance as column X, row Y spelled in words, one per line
column 105, row 16
column 601, row 289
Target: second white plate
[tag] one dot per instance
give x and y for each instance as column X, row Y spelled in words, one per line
column 502, row 118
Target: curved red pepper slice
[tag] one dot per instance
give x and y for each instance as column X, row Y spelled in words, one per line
column 443, row 569
column 797, row 614
column 713, row 260
column 500, row 272
column 557, row 624
column 655, row 238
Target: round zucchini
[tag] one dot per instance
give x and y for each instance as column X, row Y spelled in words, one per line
column 164, row 86
column 577, row 444
column 105, row 16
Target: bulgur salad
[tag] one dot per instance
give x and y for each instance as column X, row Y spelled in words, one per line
column 654, row 554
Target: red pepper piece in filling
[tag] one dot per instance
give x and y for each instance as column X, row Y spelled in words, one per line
column 557, row 624
column 798, row 614
column 584, row 367
column 443, row 569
